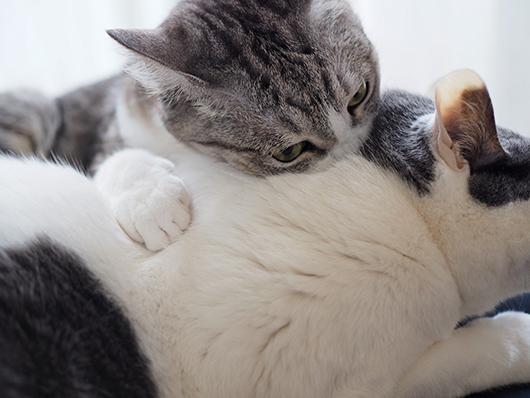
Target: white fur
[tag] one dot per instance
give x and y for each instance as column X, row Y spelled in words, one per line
column 149, row 201
column 133, row 130
column 349, row 139
column 154, row 76
column 342, row 283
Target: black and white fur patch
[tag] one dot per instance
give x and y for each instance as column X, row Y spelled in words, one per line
column 507, row 180
column 400, row 141
column 60, row 333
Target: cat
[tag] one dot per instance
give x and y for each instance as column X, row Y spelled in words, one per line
column 269, row 86
column 347, row 282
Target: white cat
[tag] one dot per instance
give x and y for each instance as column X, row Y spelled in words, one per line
column 343, row 283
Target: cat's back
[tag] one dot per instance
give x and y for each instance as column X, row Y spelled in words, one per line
column 323, row 255
column 61, row 334
column 63, row 331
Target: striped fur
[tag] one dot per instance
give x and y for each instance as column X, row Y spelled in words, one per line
column 238, row 80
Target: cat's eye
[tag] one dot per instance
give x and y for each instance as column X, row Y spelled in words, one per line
column 291, row 153
column 359, row 97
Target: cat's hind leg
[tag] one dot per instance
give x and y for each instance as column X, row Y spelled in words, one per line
column 486, row 353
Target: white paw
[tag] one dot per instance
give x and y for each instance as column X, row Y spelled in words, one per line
column 155, row 214
column 149, row 202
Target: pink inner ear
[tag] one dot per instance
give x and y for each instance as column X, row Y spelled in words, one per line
column 448, row 98
column 446, row 149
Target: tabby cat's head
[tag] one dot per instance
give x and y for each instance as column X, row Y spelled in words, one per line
column 266, row 85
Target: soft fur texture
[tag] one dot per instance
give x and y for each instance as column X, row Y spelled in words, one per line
column 239, row 80
column 344, row 283
column 60, row 334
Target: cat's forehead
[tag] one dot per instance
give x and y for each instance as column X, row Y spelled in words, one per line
column 310, row 58
column 300, row 45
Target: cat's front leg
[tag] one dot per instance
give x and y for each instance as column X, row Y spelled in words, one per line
column 148, row 200
column 486, row 353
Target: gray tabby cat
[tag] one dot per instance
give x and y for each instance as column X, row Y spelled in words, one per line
column 267, row 86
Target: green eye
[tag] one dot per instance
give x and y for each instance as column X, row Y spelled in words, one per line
column 359, row 96
column 291, row 153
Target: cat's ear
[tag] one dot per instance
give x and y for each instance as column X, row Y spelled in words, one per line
column 156, row 44
column 157, row 59
column 464, row 127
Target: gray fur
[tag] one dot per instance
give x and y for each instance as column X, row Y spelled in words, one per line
column 28, row 121
column 239, row 80
column 88, row 122
column 61, row 333
column 76, row 127
column 401, row 142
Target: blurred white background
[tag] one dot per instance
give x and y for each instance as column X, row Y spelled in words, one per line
column 419, row 41
column 56, row 45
